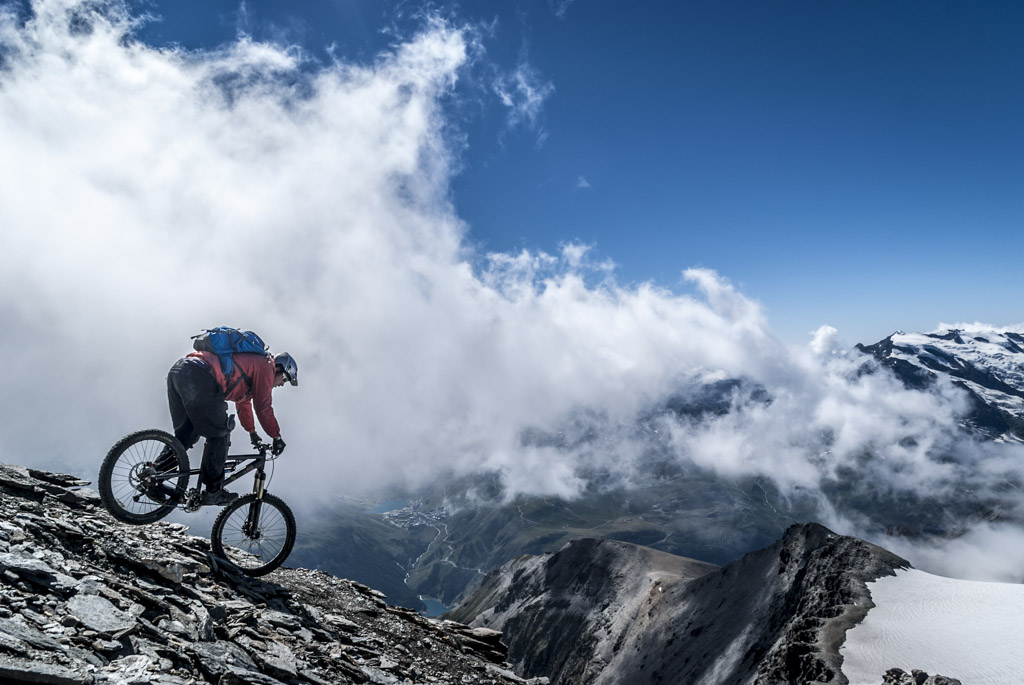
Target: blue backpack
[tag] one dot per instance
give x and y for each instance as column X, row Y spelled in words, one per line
column 224, row 342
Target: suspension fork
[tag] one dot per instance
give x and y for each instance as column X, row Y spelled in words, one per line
column 251, row 527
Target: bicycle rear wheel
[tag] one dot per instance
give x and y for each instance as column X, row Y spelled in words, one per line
column 256, row 536
column 131, row 488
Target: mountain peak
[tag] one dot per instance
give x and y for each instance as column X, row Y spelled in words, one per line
column 784, row 609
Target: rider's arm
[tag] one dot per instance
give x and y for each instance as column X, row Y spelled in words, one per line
column 262, row 402
column 244, row 408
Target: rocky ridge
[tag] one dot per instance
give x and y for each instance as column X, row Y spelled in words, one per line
column 85, row 599
column 778, row 615
column 576, row 604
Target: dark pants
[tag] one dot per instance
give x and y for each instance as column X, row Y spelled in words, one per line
column 198, row 409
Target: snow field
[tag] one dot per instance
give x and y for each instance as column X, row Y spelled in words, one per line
column 963, row 629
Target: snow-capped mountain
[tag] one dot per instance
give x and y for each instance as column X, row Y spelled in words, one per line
column 988, row 363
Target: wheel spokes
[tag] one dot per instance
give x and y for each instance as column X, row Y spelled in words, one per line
column 130, row 473
column 259, row 545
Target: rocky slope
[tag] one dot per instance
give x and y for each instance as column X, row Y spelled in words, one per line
column 608, row 612
column 85, row 599
column 572, row 609
column 987, row 363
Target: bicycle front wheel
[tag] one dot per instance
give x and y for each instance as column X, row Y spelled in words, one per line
column 143, row 476
column 254, row 535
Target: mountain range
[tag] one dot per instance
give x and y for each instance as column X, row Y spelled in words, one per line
column 988, row 364
column 438, row 543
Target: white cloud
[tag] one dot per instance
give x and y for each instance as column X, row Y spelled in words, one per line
column 523, row 92
column 978, row 326
column 582, row 183
column 561, row 7
column 148, row 193
column 825, row 341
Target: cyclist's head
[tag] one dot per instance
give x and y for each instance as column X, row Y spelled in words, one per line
column 285, row 364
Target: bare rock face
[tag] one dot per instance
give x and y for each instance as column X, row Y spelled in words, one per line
column 778, row 615
column 897, row 676
column 86, row 600
column 569, row 612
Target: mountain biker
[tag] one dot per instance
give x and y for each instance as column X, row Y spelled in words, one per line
column 198, row 393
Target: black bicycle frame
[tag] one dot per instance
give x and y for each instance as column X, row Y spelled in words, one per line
column 259, row 461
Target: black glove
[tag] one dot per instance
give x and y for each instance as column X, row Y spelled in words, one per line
column 254, row 438
column 278, row 446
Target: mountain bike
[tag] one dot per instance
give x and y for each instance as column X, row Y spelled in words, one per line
column 145, row 476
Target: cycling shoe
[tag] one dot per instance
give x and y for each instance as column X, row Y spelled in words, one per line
column 217, row 498
column 160, row 492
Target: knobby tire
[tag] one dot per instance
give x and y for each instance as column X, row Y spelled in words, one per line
column 260, row 551
column 121, row 490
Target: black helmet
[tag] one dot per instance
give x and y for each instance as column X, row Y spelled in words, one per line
column 285, row 363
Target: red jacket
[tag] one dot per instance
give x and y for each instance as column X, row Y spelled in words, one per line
column 246, row 395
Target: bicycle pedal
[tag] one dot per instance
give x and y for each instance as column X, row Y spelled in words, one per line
column 193, row 500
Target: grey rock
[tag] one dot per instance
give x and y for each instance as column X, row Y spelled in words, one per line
column 11, row 532
column 130, row 669
column 20, row 670
column 175, row 627
column 201, row 623
column 172, row 571
column 80, row 496
column 99, row 614
column 379, row 677
column 277, row 660
column 19, row 630
column 240, row 676
column 281, row 619
column 91, row 585
column 341, row 622
column 35, row 570
column 62, row 479
column 897, row 676
column 11, row 643
column 26, row 566
column 17, row 477
column 486, row 635
column 220, row 657
column 87, row 656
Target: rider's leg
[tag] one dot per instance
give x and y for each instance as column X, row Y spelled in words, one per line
column 214, row 453
column 212, row 473
column 186, row 386
column 162, row 490
column 206, row 412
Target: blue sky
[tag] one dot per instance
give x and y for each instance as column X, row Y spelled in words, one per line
column 855, row 164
